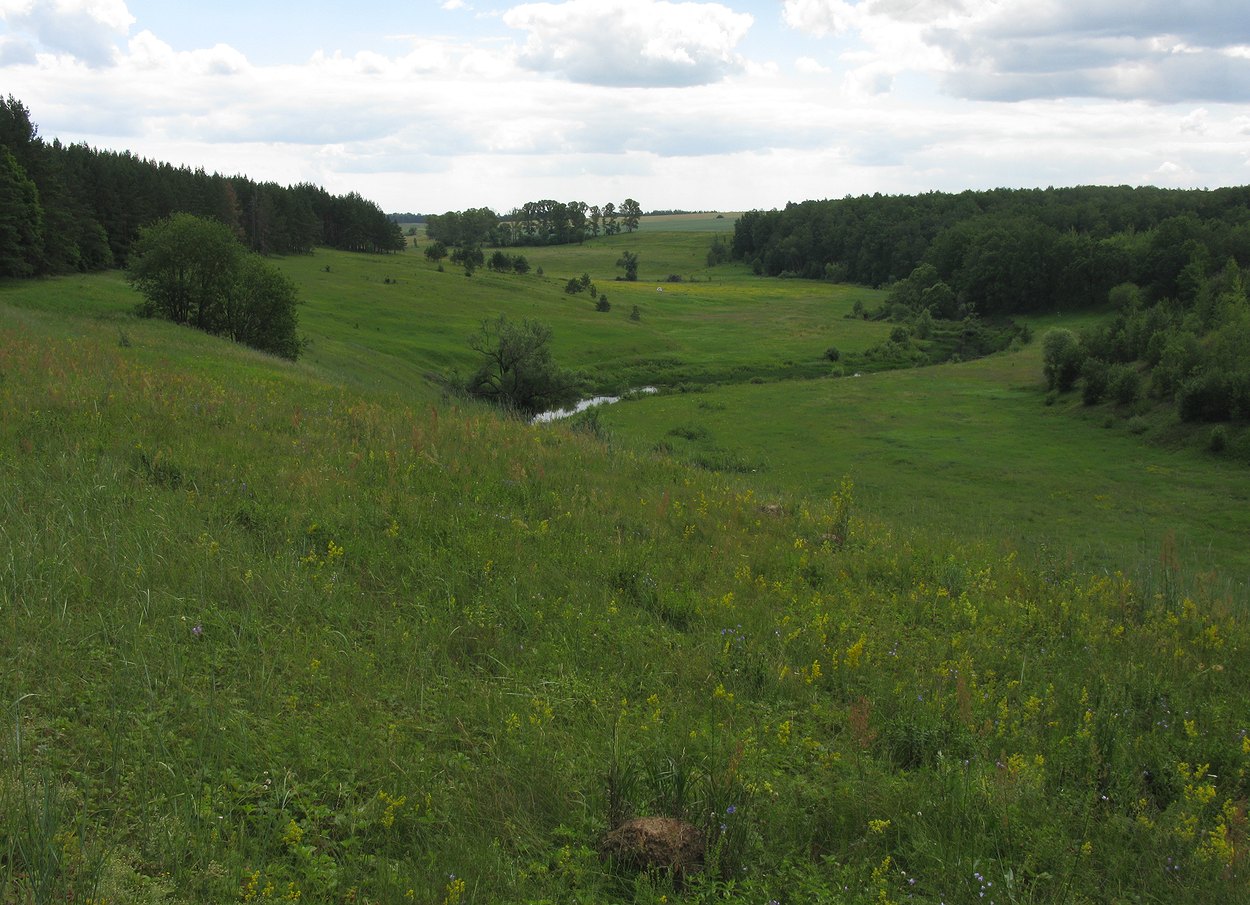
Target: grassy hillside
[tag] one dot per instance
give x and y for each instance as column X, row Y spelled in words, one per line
column 276, row 631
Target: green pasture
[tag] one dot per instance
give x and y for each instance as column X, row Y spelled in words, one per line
column 967, row 450
column 310, row 631
column 269, row 637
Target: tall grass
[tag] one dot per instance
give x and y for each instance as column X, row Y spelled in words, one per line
column 265, row 638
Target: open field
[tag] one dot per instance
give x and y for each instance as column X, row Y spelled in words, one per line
column 970, row 450
column 311, row 632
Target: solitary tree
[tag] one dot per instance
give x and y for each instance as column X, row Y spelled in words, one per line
column 631, row 211
column 629, row 260
column 517, row 371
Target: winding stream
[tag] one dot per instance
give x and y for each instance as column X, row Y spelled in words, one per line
column 582, row 405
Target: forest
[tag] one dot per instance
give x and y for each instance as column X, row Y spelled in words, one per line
column 73, row 208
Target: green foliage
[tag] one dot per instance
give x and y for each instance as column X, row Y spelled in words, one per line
column 629, row 262
column 719, row 252
column 1214, row 396
column 1095, row 377
column 436, row 251
column 517, row 370
column 21, row 219
column 1061, row 358
column 193, row 271
column 580, row 284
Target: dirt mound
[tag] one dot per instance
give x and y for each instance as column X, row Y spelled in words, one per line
column 648, row 843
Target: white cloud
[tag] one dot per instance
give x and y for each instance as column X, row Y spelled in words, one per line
column 85, row 29
column 808, row 66
column 818, row 17
column 579, row 104
column 631, row 42
column 1196, row 122
column 1010, row 50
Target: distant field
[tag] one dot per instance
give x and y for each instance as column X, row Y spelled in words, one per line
column 716, row 222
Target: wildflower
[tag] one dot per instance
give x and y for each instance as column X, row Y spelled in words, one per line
column 197, row 630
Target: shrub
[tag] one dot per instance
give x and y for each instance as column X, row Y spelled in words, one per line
column 1061, row 359
column 1095, row 376
column 603, row 304
column 1124, row 384
column 1214, row 396
column 832, row 353
column 1218, row 440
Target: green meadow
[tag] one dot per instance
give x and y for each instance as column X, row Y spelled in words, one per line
column 322, row 632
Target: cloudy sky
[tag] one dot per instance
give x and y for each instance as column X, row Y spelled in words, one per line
column 431, row 105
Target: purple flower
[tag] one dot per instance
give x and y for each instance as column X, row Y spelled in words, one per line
column 731, row 809
column 197, row 630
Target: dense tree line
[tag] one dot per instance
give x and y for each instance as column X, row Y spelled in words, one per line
column 67, row 208
column 544, row 222
column 1007, row 250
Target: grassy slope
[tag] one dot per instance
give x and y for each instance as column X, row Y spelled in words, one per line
column 267, row 635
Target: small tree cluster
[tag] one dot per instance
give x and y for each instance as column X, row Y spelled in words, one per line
column 505, row 263
column 193, row 271
column 580, row 284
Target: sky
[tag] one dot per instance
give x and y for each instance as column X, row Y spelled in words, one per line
column 435, row 105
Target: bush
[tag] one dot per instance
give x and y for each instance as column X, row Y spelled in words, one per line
column 1218, row 441
column 1061, row 359
column 832, row 353
column 603, row 304
column 193, row 271
column 1212, row 396
column 1124, row 384
column 1095, row 376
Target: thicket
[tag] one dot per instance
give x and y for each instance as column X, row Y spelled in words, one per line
column 1192, row 348
column 193, row 271
column 71, row 208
